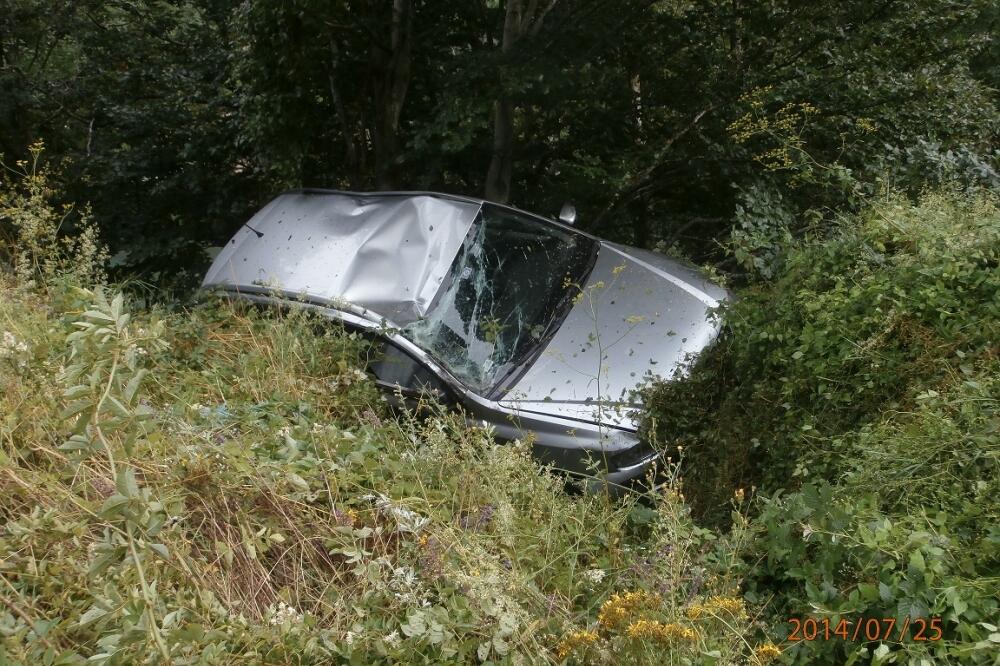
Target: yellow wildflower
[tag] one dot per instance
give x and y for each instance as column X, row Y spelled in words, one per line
column 865, row 125
column 573, row 640
column 661, row 632
column 716, row 605
column 731, row 605
column 766, row 652
column 620, row 607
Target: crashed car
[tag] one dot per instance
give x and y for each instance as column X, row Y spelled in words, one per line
column 524, row 323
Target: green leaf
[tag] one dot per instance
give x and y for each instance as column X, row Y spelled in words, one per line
column 415, row 625
column 74, row 408
column 125, row 483
column 111, row 505
column 95, row 613
column 133, row 385
column 223, row 549
column 297, row 481
column 116, row 305
column 868, row 591
column 76, row 443
column 121, row 409
column 101, row 564
column 74, row 392
column 100, row 316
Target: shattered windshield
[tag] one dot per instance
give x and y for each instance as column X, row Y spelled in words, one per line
column 506, row 291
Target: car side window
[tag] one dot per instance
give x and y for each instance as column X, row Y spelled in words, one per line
column 394, row 367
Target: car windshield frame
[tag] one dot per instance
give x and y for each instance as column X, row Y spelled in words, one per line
column 493, row 274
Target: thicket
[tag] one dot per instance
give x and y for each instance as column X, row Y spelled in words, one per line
column 856, row 395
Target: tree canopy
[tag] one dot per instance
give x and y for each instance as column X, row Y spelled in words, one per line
column 695, row 124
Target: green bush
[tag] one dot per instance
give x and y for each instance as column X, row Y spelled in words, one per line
column 861, row 386
column 42, row 240
column 861, row 323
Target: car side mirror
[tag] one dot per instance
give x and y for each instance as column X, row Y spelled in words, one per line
column 567, row 215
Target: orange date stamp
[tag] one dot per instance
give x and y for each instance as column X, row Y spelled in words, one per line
column 866, row 629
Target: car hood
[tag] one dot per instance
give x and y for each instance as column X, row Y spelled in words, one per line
column 640, row 316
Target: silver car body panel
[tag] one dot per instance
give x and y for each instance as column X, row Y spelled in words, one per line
column 641, row 316
column 377, row 261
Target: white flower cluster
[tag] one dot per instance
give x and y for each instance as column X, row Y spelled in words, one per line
column 594, row 576
column 136, row 350
column 283, row 614
column 407, row 588
column 406, row 520
column 13, row 347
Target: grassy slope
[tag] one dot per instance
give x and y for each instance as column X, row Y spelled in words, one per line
column 215, row 486
column 219, row 486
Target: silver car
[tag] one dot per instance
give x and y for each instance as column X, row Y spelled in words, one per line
column 526, row 324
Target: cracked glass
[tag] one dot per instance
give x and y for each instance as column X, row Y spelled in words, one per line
column 507, row 291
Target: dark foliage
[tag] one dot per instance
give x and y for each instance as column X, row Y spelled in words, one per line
column 665, row 123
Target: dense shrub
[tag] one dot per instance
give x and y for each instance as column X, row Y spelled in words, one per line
column 860, row 324
column 861, row 385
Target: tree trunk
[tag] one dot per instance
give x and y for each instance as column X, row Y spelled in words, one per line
column 501, row 164
column 347, row 126
column 391, row 67
column 519, row 20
